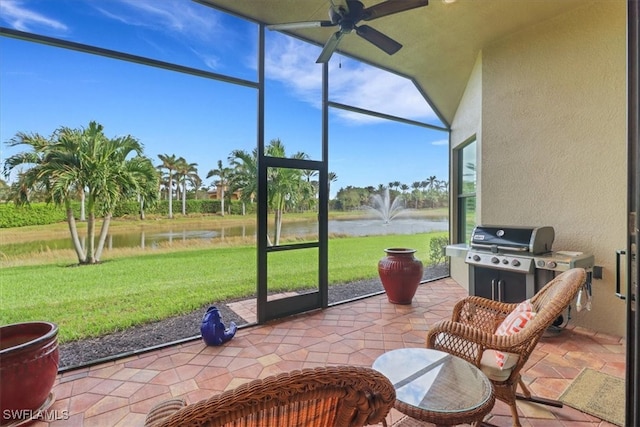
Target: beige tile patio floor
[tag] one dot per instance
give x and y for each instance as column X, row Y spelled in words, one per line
column 119, row 393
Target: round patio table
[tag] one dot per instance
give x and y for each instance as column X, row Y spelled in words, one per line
column 437, row 387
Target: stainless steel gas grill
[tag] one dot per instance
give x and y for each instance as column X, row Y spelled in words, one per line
column 510, row 264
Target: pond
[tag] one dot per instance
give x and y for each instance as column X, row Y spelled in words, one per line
column 153, row 239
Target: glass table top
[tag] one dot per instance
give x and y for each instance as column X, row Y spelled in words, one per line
column 434, row 381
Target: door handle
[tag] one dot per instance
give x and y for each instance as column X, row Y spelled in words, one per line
column 619, row 254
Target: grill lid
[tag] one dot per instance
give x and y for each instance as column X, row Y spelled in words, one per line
column 536, row 240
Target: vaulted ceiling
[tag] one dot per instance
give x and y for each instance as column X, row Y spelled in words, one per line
column 440, row 41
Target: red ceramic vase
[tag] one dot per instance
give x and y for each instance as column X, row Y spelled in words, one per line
column 28, row 367
column 400, row 273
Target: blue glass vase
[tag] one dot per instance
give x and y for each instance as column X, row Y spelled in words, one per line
column 213, row 330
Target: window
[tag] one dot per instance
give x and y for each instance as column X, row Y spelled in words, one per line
column 467, row 179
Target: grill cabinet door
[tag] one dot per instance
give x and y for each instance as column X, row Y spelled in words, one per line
column 505, row 286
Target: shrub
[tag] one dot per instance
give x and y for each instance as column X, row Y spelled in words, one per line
column 34, row 214
column 436, row 249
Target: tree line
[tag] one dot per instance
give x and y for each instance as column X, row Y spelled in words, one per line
column 101, row 173
column 427, row 194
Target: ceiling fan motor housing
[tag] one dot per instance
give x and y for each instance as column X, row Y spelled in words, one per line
column 347, row 18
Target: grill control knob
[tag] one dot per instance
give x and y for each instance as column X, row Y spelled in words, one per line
column 476, row 258
column 515, row 263
column 552, row 264
column 505, row 261
column 541, row 263
column 495, row 260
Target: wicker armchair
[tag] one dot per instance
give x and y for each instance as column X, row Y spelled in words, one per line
column 329, row 396
column 470, row 334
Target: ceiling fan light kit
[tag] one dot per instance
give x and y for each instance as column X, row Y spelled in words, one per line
column 346, row 16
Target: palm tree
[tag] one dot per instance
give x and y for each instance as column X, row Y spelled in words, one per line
column 82, row 158
column 331, row 177
column 416, row 191
column 196, row 181
column 244, row 176
column 285, row 187
column 309, row 173
column 224, row 174
column 170, row 163
column 312, row 188
column 83, row 216
column 148, row 194
column 185, row 172
column 431, row 181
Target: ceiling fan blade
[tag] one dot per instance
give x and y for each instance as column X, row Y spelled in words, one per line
column 390, row 7
column 303, row 24
column 329, row 47
column 374, row 36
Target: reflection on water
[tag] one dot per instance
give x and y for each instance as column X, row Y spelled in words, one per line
column 308, row 229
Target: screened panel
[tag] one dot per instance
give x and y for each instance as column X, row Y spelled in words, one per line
column 293, row 272
column 363, row 86
column 293, row 83
column 293, row 203
column 181, row 32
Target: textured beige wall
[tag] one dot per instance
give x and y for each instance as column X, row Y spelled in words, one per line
column 552, row 138
column 467, row 126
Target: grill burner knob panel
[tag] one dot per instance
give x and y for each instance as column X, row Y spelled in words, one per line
column 508, row 262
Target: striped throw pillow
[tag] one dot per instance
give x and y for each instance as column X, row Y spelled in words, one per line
column 512, row 324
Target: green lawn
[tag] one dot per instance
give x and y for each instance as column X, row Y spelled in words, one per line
column 94, row 300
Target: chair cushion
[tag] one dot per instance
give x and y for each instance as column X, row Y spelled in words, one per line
column 489, row 367
column 512, row 324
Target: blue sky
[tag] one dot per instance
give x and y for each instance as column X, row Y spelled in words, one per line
column 202, row 120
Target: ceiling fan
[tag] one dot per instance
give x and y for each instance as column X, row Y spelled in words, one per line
column 346, row 14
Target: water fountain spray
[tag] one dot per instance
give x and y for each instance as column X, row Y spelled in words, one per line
column 382, row 205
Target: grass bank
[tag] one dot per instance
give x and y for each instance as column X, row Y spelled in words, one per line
column 90, row 301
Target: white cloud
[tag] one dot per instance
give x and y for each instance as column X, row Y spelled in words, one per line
column 179, row 19
column 292, row 62
column 440, row 142
column 352, row 83
column 20, row 18
column 177, row 16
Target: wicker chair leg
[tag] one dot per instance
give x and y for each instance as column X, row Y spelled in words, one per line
column 525, row 390
column 514, row 415
column 507, row 394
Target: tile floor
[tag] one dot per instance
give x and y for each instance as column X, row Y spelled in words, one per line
column 120, row 393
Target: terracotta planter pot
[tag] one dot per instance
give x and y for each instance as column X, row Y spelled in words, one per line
column 400, row 273
column 28, row 368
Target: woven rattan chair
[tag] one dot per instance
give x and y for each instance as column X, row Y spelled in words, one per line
column 470, row 334
column 337, row 396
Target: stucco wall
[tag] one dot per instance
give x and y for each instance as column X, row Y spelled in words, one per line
column 552, row 138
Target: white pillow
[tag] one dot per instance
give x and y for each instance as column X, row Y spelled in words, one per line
column 512, row 324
